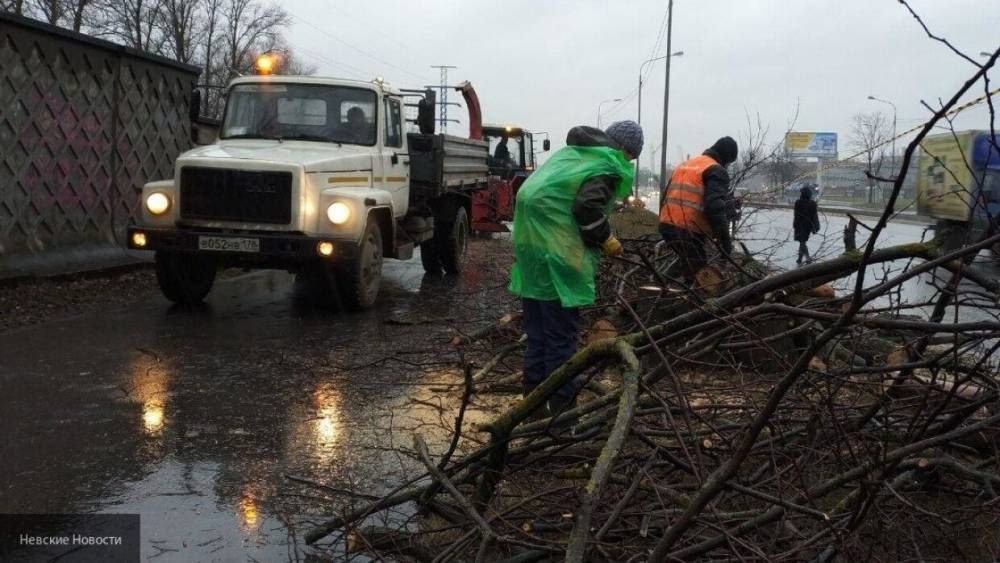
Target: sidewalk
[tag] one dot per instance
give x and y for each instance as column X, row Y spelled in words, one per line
column 906, row 217
column 70, row 261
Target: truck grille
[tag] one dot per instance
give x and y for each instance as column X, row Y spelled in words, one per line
column 236, row 195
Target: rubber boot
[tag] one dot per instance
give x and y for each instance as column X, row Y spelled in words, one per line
column 559, row 404
column 541, row 413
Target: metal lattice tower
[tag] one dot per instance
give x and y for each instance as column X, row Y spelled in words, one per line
column 443, row 97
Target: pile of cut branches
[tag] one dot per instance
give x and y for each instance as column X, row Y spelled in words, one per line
column 756, row 416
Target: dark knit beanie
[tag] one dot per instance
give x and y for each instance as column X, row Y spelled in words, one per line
column 628, row 135
column 726, row 149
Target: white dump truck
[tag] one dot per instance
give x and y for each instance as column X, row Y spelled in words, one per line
column 320, row 177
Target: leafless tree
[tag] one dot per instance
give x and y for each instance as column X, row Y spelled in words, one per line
column 869, row 133
column 290, row 63
column 250, row 27
column 181, row 23
column 13, row 6
column 780, row 168
column 132, row 22
column 66, row 13
column 49, row 11
column 753, row 150
column 212, row 23
column 78, row 10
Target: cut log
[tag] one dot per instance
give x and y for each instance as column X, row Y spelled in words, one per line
column 601, row 329
column 710, row 281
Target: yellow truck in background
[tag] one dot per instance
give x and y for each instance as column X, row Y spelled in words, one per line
column 959, row 184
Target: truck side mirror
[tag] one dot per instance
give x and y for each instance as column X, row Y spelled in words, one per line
column 546, row 145
column 194, row 110
column 425, row 112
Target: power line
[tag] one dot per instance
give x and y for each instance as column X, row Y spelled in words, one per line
column 621, row 105
column 659, row 36
column 627, row 98
column 346, row 68
column 361, row 51
column 369, row 26
column 649, row 69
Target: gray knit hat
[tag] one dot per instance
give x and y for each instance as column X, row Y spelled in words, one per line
column 628, row 135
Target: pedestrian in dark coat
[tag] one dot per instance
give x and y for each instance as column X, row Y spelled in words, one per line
column 806, row 222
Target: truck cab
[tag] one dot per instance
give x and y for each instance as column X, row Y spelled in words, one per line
column 959, row 185
column 512, row 150
column 312, row 175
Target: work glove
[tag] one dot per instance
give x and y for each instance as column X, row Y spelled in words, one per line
column 612, row 247
column 733, row 208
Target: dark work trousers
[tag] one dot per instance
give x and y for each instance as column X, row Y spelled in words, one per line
column 553, row 333
column 689, row 248
column 803, row 252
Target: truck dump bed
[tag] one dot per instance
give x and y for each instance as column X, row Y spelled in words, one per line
column 442, row 163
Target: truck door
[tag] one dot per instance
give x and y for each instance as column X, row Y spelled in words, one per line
column 395, row 160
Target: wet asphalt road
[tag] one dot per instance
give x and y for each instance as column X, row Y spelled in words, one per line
column 191, row 418
column 768, row 233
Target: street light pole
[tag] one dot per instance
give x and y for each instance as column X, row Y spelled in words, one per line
column 599, row 109
column 635, row 187
column 666, row 106
column 873, row 98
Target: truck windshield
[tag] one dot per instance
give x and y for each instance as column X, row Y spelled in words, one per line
column 504, row 150
column 308, row 112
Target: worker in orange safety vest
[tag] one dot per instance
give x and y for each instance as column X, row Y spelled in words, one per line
column 697, row 206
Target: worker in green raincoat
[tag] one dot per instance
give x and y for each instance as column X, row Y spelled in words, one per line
column 560, row 230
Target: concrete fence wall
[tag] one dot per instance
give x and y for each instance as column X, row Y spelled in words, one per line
column 83, row 124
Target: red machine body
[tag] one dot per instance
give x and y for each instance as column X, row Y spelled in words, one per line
column 512, row 160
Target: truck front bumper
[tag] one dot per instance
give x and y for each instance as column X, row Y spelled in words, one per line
column 263, row 250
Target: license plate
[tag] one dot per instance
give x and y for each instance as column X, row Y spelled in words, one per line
column 229, row 244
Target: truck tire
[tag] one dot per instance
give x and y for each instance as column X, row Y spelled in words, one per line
column 185, row 278
column 358, row 281
column 430, row 257
column 454, row 242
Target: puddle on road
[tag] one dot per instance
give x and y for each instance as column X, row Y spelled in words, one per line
column 193, row 523
column 192, row 418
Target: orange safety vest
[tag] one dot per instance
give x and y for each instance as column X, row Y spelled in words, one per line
column 684, row 202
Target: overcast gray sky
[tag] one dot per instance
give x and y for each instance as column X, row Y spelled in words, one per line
column 547, row 65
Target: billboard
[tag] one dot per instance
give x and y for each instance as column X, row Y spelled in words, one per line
column 822, row 145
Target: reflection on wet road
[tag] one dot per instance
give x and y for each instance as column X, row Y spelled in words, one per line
column 192, row 418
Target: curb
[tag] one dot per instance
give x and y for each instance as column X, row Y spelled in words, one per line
column 900, row 217
column 96, row 259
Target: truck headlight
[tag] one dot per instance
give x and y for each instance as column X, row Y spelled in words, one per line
column 157, row 203
column 338, row 213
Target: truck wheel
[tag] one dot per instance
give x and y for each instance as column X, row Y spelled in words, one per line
column 454, row 242
column 185, row 278
column 358, row 281
column 430, row 257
